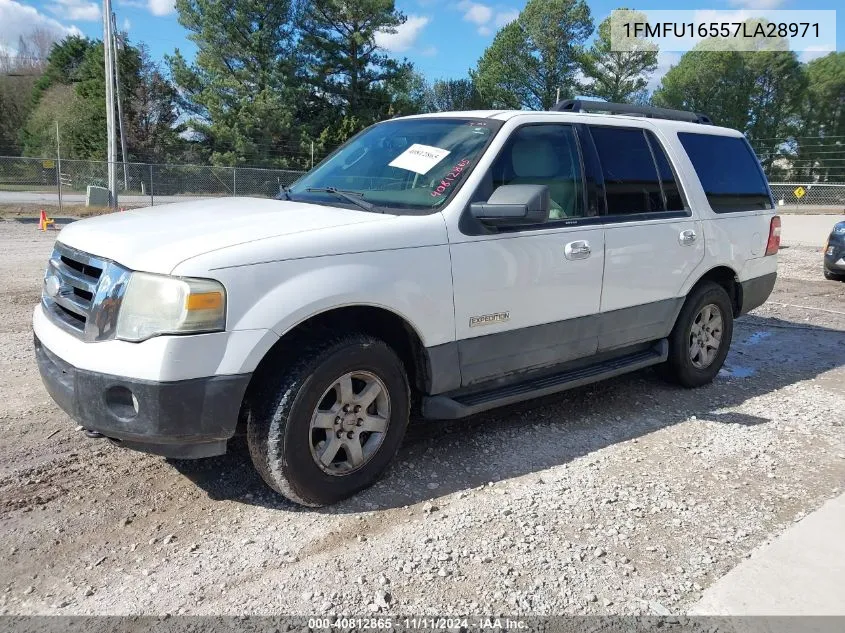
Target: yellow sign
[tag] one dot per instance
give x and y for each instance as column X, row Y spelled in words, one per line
column 799, row 192
column 48, row 164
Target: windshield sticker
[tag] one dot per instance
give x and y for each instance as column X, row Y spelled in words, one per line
column 443, row 186
column 419, row 158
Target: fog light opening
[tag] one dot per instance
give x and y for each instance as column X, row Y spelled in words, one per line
column 122, row 402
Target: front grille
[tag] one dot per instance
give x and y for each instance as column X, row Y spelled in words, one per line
column 75, row 285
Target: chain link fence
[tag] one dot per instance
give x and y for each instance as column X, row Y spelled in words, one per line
column 142, row 184
column 809, row 196
column 138, row 184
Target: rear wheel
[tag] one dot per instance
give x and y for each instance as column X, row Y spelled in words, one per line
column 328, row 426
column 701, row 337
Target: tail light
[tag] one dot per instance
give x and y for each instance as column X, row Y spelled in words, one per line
column 773, row 244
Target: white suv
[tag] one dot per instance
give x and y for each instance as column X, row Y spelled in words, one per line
column 438, row 265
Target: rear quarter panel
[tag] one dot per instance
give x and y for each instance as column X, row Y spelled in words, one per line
column 736, row 240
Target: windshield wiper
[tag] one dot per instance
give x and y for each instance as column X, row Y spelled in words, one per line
column 355, row 197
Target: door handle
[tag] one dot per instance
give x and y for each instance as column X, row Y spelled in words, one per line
column 687, row 237
column 577, row 250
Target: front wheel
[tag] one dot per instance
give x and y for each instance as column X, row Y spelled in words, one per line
column 326, row 427
column 701, row 337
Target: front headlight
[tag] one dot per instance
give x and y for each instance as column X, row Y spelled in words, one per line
column 157, row 304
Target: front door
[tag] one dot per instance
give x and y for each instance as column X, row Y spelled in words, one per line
column 530, row 298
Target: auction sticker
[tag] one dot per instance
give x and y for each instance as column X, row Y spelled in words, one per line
column 419, row 158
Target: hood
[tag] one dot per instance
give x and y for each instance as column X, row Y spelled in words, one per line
column 156, row 239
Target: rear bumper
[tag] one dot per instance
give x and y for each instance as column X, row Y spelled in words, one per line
column 181, row 419
column 755, row 291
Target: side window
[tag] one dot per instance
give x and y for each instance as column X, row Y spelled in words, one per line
column 545, row 154
column 671, row 193
column 728, row 171
column 630, row 174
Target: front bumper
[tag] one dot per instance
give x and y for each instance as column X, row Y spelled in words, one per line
column 835, row 262
column 182, row 419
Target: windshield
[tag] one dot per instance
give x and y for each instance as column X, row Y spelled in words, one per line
column 412, row 165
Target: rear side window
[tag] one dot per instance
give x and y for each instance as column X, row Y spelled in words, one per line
column 638, row 177
column 728, row 171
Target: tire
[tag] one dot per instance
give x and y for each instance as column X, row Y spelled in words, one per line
column 684, row 367
column 282, row 410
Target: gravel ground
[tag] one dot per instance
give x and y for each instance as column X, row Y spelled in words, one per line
column 629, row 496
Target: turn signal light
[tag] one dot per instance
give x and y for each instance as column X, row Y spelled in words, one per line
column 773, row 245
column 204, row 301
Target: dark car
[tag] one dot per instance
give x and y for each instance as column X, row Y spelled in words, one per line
column 834, row 253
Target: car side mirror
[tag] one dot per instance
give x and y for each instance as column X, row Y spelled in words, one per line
column 514, row 205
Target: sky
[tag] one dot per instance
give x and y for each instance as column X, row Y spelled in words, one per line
column 443, row 38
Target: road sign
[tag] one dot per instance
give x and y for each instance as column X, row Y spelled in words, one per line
column 48, row 164
column 799, row 192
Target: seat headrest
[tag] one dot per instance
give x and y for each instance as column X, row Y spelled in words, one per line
column 534, row 158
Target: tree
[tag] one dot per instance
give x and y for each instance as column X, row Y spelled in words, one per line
column 619, row 76
column 73, row 83
column 20, row 70
column 152, row 127
column 345, row 69
column 821, row 145
column 776, row 94
column 240, row 88
column 535, row 56
column 453, row 95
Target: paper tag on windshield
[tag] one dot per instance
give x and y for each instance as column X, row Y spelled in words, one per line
column 419, row 158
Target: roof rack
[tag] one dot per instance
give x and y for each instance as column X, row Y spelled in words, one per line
column 579, row 105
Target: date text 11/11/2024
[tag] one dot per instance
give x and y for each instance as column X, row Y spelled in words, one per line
column 422, row 623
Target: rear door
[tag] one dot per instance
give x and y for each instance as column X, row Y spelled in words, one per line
column 652, row 240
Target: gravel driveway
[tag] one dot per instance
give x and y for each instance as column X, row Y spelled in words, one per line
column 629, row 496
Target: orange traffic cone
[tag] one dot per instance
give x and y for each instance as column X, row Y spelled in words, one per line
column 44, row 221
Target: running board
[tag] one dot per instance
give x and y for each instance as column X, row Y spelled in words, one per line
column 444, row 407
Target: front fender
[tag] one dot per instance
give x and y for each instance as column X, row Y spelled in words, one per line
column 414, row 283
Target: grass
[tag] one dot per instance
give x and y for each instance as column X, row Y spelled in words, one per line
column 27, row 210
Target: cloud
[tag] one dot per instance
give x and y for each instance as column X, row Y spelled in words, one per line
column 405, row 35
column 429, row 51
column 484, row 17
column 757, row 4
column 126, row 24
column 811, row 53
column 475, row 12
column 665, row 60
column 161, row 7
column 503, row 18
column 76, row 10
column 18, row 19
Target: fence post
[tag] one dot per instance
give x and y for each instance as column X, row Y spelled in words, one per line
column 152, row 195
column 234, row 181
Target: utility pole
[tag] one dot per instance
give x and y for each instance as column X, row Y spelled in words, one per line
column 111, row 140
column 59, row 165
column 119, row 102
column 312, row 154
